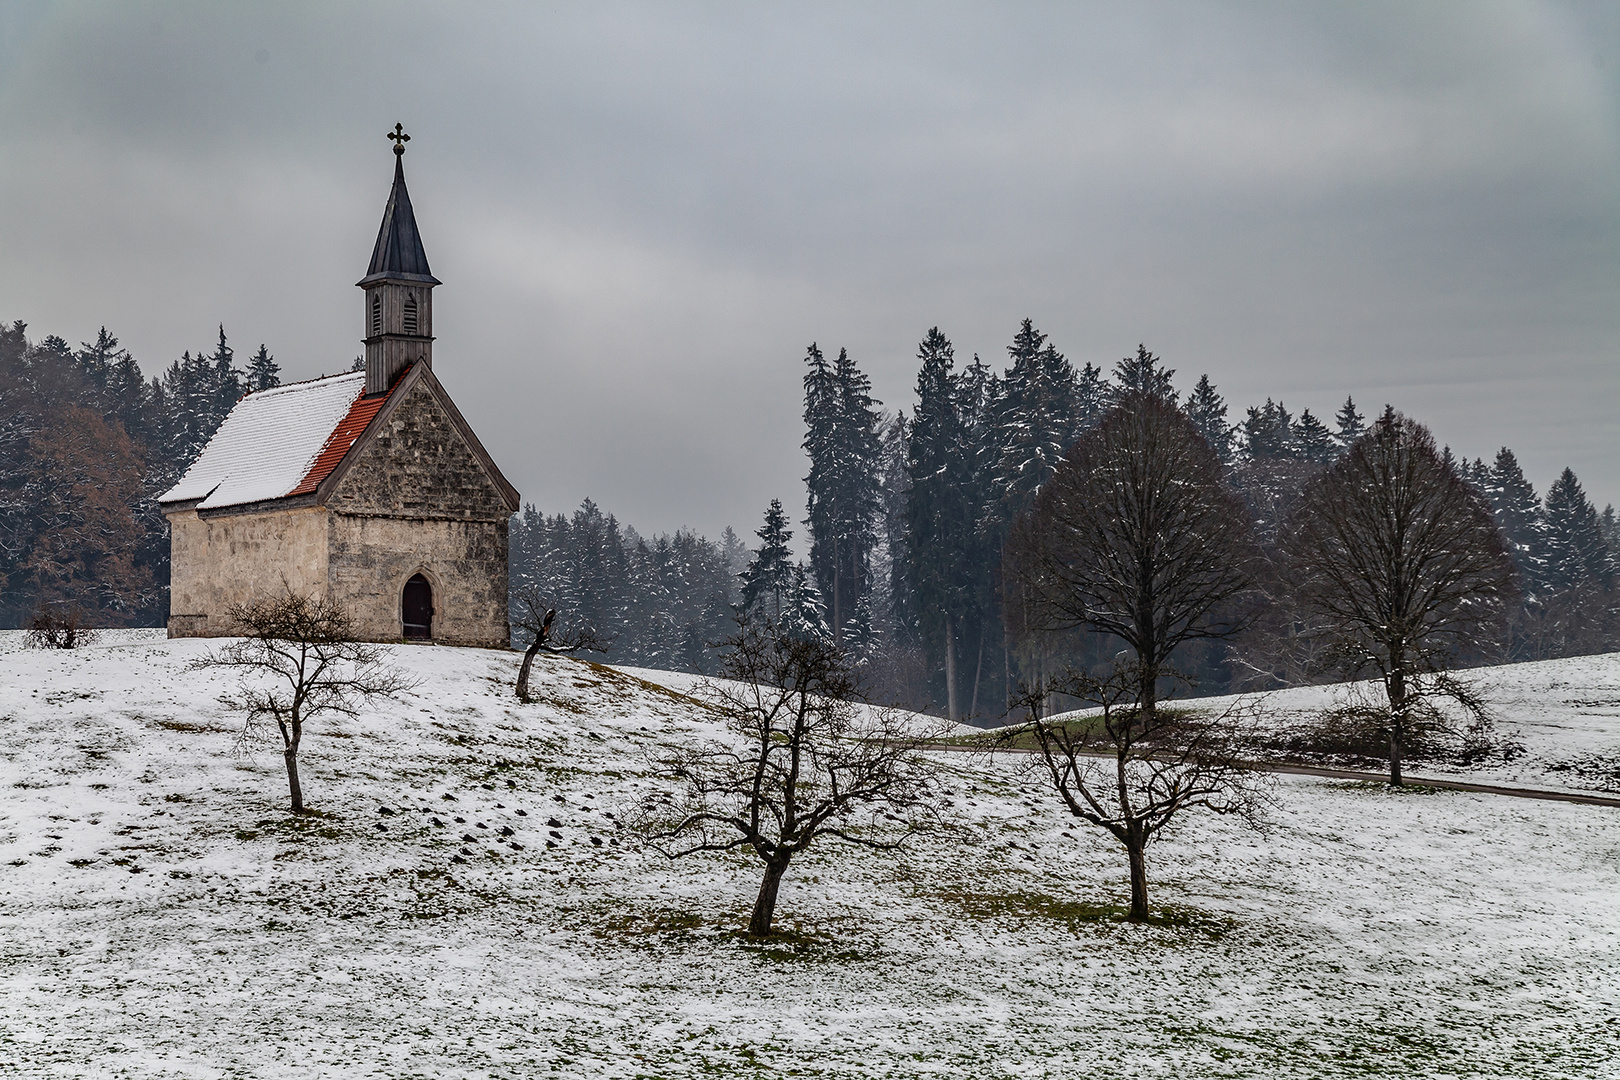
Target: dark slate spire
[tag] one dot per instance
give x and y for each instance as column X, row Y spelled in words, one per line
column 398, row 254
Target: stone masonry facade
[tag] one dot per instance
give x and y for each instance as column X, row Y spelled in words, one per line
column 416, row 501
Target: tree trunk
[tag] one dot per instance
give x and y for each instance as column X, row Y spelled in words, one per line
column 523, row 672
column 765, row 906
column 978, row 669
column 1136, row 845
column 950, row 670
column 1397, row 721
column 291, row 754
column 837, row 604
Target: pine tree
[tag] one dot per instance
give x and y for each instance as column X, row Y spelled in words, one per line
column 769, row 576
column 1207, row 410
column 1352, row 425
column 1144, row 373
column 263, row 372
column 1572, row 544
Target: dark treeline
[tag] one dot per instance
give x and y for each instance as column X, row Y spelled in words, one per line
column 86, row 446
column 662, row 602
column 902, row 534
column 908, row 516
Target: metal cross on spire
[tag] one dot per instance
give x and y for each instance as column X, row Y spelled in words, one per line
column 400, row 139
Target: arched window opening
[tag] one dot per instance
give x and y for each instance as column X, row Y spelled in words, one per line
column 410, row 314
column 376, row 314
column 416, row 608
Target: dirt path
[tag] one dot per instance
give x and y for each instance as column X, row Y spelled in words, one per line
column 1450, row 785
column 1377, row 778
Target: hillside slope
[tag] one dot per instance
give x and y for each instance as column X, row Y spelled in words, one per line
column 160, row 915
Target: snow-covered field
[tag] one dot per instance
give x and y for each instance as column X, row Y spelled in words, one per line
column 160, row 915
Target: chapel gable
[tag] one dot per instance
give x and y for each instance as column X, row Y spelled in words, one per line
column 421, row 460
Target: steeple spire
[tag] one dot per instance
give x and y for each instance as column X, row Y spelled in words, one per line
column 399, row 287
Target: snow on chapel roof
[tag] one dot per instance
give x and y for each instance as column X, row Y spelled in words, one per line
column 269, row 443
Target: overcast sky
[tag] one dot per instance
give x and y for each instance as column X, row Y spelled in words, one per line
column 643, row 214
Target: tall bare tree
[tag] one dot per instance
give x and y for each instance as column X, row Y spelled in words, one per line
column 805, row 760
column 299, row 660
column 1402, row 569
column 1136, row 535
column 1131, row 771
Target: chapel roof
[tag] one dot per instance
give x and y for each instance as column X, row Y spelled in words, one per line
column 399, row 254
column 275, row 440
column 287, row 441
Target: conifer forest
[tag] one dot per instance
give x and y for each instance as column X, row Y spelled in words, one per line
column 897, row 555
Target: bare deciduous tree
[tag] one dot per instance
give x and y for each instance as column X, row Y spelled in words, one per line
column 1136, row 535
column 1131, row 770
column 805, row 760
column 299, row 659
column 537, row 618
column 1402, row 569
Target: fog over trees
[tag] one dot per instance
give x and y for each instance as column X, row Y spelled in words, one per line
column 896, row 557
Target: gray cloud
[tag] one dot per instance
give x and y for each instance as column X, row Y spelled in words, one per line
column 644, row 213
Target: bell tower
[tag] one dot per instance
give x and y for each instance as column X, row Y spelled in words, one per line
column 398, row 288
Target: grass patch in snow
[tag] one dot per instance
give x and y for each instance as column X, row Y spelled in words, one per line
column 1032, row 907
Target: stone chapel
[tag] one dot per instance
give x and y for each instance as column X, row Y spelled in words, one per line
column 365, row 488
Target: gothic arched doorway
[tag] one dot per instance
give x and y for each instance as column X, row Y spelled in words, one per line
column 417, row 609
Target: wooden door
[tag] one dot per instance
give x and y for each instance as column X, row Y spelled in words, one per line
column 418, row 609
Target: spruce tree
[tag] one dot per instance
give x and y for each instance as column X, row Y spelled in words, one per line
column 1036, row 418
column 1092, row 395
column 805, row 616
column 842, row 441
column 941, row 514
column 1207, row 410
column 1518, row 514
column 1572, row 543
column 1352, row 425
column 769, row 576
column 1312, row 440
column 1144, row 373
column 263, row 372
column 226, row 385
column 1268, row 431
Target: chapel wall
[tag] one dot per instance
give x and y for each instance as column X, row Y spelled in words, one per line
column 216, row 562
column 372, row 558
column 418, row 464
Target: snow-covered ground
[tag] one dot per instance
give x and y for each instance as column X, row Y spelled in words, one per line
column 161, row 915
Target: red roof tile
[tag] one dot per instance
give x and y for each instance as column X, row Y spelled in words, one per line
column 350, row 428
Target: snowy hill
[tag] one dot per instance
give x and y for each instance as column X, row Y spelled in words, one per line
column 161, row 915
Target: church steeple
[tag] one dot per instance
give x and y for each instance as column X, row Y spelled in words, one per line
column 398, row 287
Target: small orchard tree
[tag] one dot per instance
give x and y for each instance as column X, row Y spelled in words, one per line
column 804, row 761
column 537, row 619
column 299, row 659
column 1403, row 572
column 1131, row 770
